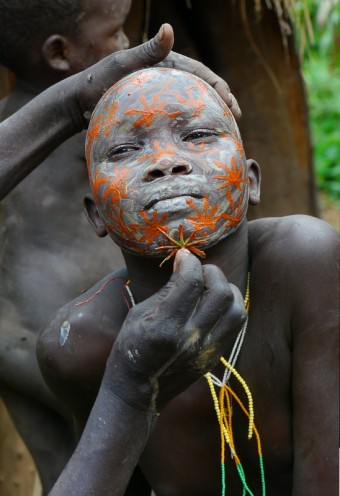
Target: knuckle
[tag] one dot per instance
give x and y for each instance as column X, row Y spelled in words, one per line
column 201, row 69
column 149, row 50
column 190, row 283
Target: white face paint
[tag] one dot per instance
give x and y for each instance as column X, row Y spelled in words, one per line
column 165, row 159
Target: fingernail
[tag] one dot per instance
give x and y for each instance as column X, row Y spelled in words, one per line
column 235, row 107
column 161, row 33
column 179, row 254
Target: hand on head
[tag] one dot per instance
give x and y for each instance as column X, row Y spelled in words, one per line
column 91, row 83
column 179, row 61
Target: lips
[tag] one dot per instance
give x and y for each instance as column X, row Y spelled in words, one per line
column 157, row 197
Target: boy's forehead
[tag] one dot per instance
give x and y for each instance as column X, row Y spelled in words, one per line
column 151, row 98
column 153, row 90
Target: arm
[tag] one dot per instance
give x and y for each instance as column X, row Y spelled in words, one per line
column 30, row 135
column 315, row 360
column 165, row 344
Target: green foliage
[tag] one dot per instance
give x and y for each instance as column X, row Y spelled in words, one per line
column 321, row 70
column 323, row 83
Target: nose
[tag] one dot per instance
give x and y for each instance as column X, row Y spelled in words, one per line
column 167, row 167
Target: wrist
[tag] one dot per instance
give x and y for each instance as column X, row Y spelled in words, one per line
column 69, row 103
column 131, row 387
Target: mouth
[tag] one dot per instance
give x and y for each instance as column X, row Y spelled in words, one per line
column 157, row 197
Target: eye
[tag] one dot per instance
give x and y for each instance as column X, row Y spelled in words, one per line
column 121, row 151
column 200, row 135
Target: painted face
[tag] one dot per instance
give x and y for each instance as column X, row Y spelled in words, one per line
column 166, row 163
column 100, row 32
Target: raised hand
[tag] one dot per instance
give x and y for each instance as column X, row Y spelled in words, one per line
column 91, row 83
column 174, row 337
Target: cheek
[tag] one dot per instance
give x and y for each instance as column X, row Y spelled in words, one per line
column 229, row 173
column 96, row 50
column 120, row 43
column 110, row 190
column 113, row 43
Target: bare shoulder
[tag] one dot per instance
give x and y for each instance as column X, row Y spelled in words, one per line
column 73, row 348
column 295, row 240
column 299, row 255
column 295, row 262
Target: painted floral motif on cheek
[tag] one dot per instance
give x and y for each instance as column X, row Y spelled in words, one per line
column 205, row 219
column 114, row 187
column 233, row 176
column 118, row 224
column 159, row 152
column 151, row 227
column 238, row 210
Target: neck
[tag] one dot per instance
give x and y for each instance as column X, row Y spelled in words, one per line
column 230, row 255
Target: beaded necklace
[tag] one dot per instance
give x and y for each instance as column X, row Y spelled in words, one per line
column 223, row 408
column 223, row 401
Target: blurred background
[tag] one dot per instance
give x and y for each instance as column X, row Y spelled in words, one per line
column 281, row 59
column 320, row 55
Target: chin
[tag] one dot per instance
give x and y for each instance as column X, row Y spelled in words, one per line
column 180, row 233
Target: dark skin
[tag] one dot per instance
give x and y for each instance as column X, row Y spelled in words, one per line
column 279, row 354
column 152, row 407
column 45, row 263
column 44, row 266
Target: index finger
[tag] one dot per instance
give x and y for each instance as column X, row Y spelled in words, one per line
column 180, row 295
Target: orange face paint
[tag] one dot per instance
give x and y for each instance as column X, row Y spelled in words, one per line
column 166, row 161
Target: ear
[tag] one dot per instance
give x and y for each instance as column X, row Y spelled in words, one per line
column 93, row 216
column 55, row 52
column 254, row 177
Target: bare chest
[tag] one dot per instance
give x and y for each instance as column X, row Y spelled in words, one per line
column 184, row 453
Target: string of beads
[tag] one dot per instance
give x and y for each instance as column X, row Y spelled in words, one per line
column 223, row 408
column 223, row 402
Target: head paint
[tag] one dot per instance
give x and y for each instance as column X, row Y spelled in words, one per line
column 165, row 159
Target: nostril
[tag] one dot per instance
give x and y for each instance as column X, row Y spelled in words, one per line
column 165, row 169
column 155, row 174
column 181, row 169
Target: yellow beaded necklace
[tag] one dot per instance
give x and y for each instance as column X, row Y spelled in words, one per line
column 223, row 402
column 223, row 408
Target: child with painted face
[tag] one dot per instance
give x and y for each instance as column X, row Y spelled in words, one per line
column 169, row 176
column 167, row 165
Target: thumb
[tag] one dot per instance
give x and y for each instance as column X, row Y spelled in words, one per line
column 157, row 48
column 94, row 81
column 147, row 54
